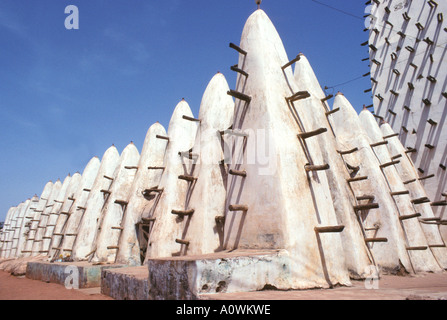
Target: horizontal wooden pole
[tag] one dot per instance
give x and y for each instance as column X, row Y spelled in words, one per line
column 347, row 151
column 309, row 167
column 236, row 69
column 183, row 212
column 427, row 177
column 392, row 163
column 417, row 248
column 121, row 202
column 239, row 95
column 187, row 178
column 180, row 241
column 329, row 229
column 332, row 111
column 190, row 119
column 381, row 143
column 356, row 179
column 365, row 197
column 238, row 49
column 238, row 173
column 366, row 206
column 305, row 135
column 288, row 64
column 238, row 207
column 399, row 193
column 162, row 137
column 410, row 216
column 376, row 240
column 298, row 96
column 420, row 200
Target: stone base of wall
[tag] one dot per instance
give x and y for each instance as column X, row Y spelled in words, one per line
column 186, row 278
column 126, row 283
column 87, row 275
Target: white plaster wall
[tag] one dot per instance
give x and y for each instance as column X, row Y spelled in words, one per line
column 18, row 233
column 422, row 260
column 152, row 155
column 62, row 218
column 25, row 225
column 288, row 203
column 391, row 255
column 167, row 226
column 408, row 172
column 88, row 224
column 38, row 238
column 209, row 192
column 5, row 231
column 40, row 206
column 112, row 212
column 357, row 253
column 77, row 209
column 53, row 215
column 406, row 113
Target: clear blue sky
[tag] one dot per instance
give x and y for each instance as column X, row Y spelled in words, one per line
column 68, row 95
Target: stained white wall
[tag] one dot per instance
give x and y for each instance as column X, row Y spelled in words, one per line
column 408, row 57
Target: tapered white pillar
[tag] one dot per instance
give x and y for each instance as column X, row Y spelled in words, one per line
column 98, row 195
column 142, row 196
column 382, row 225
column 167, row 226
column 38, row 209
column 279, row 204
column 53, row 214
column 109, row 228
column 61, row 217
column 38, row 238
column 421, row 256
column 408, row 173
column 316, row 111
column 203, row 229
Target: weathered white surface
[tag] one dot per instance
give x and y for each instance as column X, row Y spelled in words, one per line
column 392, row 255
column 112, row 212
column 314, row 112
column 38, row 238
column 77, row 209
column 39, row 208
column 167, row 227
column 62, row 218
column 88, row 225
column 429, row 59
column 285, row 204
column 11, row 230
column 18, row 231
column 408, row 172
column 152, row 155
column 26, row 223
column 209, row 192
column 422, row 260
column 5, row 231
column 53, row 214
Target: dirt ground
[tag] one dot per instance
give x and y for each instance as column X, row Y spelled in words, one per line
column 22, row 288
column 420, row 287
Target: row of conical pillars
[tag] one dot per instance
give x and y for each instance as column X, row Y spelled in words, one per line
column 267, row 166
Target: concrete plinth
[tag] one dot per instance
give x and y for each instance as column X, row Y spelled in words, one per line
column 88, row 275
column 126, row 283
column 187, row 278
